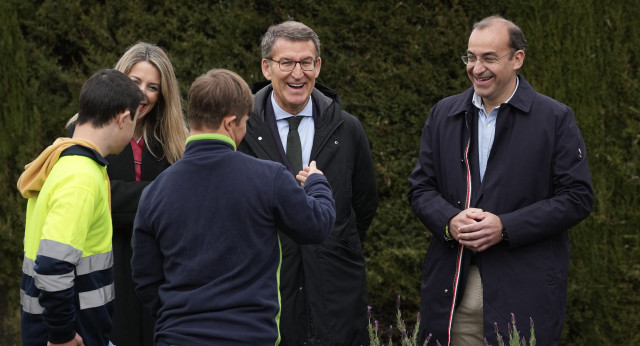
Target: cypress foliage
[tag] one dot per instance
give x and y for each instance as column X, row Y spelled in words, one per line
column 16, row 144
column 390, row 61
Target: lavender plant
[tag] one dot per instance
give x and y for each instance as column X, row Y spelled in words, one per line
column 407, row 338
column 410, row 338
column 514, row 335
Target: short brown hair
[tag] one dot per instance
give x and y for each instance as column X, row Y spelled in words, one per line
column 216, row 94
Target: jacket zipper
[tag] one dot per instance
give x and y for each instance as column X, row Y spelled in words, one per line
column 467, row 202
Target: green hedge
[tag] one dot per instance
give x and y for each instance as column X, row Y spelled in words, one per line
column 390, row 61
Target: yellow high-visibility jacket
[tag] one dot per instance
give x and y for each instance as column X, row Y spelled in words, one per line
column 67, row 280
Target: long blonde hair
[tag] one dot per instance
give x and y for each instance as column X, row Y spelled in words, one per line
column 165, row 122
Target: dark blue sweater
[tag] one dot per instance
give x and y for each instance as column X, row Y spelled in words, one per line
column 206, row 254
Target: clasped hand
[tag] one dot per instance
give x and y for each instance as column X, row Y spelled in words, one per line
column 475, row 229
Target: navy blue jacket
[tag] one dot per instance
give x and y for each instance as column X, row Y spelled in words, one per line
column 537, row 181
column 206, row 254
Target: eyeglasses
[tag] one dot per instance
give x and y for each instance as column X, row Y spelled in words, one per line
column 287, row 65
column 470, row 60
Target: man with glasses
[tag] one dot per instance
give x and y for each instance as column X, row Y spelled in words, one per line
column 501, row 176
column 296, row 121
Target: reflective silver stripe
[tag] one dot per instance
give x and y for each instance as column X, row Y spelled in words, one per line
column 95, row 263
column 54, row 283
column 95, row 298
column 86, row 265
column 59, row 251
column 88, row 300
column 27, row 266
column 30, row 304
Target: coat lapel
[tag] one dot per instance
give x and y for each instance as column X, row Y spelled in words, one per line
column 324, row 119
column 262, row 131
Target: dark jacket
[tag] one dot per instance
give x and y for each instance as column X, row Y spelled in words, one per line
column 125, row 190
column 206, row 249
column 537, row 181
column 323, row 287
column 132, row 324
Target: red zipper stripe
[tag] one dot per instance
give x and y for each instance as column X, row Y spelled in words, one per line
column 456, row 279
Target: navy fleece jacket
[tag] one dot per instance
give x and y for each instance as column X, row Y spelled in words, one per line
column 206, row 254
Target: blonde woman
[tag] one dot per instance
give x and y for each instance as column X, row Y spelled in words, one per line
column 158, row 142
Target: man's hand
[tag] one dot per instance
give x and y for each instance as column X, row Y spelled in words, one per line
column 76, row 341
column 307, row 171
column 476, row 230
column 464, row 217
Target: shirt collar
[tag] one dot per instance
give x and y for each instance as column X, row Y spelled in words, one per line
column 477, row 100
column 282, row 114
column 211, row 136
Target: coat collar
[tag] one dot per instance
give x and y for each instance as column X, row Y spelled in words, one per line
column 262, row 135
column 522, row 100
column 323, row 98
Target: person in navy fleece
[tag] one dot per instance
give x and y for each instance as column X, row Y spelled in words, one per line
column 206, row 253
